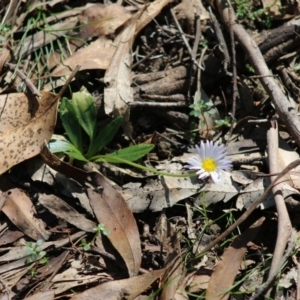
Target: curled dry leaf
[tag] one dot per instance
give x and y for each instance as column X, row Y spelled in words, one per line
column 223, row 276
column 120, row 289
column 257, row 188
column 112, row 210
column 95, row 56
column 151, row 11
column 287, row 155
column 48, row 295
column 26, row 123
column 20, row 210
column 64, row 211
column 118, row 92
column 97, row 20
column 102, row 19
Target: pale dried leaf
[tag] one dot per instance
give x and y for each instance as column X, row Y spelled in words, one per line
column 158, row 194
column 286, row 155
column 151, row 11
column 48, row 295
column 200, row 281
column 223, row 276
column 73, row 189
column 96, row 56
column 74, row 276
column 14, row 276
column 102, row 19
column 222, row 191
column 111, row 209
column 118, row 92
column 256, row 189
column 289, row 279
column 42, row 38
column 20, row 210
column 26, row 123
column 273, row 6
column 10, row 236
column 64, row 211
column 172, row 277
column 121, row 289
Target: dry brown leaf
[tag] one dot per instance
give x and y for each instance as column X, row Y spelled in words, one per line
column 4, row 56
column 48, row 295
column 111, row 209
column 64, row 211
column 121, row 289
column 151, row 11
column 285, row 156
column 223, row 276
column 118, row 92
column 10, row 236
column 97, row 55
column 26, row 123
column 42, row 38
column 20, row 210
column 98, row 20
column 75, row 275
column 200, row 280
column 172, row 278
column 274, row 6
column 13, row 277
column 102, row 19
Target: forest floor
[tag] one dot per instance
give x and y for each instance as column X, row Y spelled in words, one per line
column 103, row 109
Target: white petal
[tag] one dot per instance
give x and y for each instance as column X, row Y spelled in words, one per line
column 215, row 176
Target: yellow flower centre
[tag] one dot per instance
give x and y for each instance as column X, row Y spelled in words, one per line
column 209, row 164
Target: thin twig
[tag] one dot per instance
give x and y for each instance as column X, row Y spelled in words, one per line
column 153, row 51
column 235, row 94
column 28, row 82
column 221, row 39
column 185, row 40
column 158, row 104
column 194, row 54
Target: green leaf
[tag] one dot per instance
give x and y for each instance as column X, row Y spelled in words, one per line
column 65, row 146
column 86, row 112
column 76, row 155
column 56, row 146
column 70, row 123
column 132, row 153
column 104, row 137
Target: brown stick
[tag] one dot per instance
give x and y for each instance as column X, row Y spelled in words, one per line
column 283, row 107
column 284, row 223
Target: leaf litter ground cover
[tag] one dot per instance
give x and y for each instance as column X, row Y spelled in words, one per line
column 102, row 105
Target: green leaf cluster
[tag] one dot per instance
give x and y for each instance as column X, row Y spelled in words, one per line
column 79, row 119
column 201, row 107
column 35, row 253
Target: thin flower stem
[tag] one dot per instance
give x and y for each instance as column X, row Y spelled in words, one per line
column 101, row 158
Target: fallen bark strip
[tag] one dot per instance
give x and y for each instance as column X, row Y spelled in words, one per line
column 284, row 229
column 283, row 107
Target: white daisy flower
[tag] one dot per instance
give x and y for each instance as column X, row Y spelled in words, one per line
column 211, row 162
